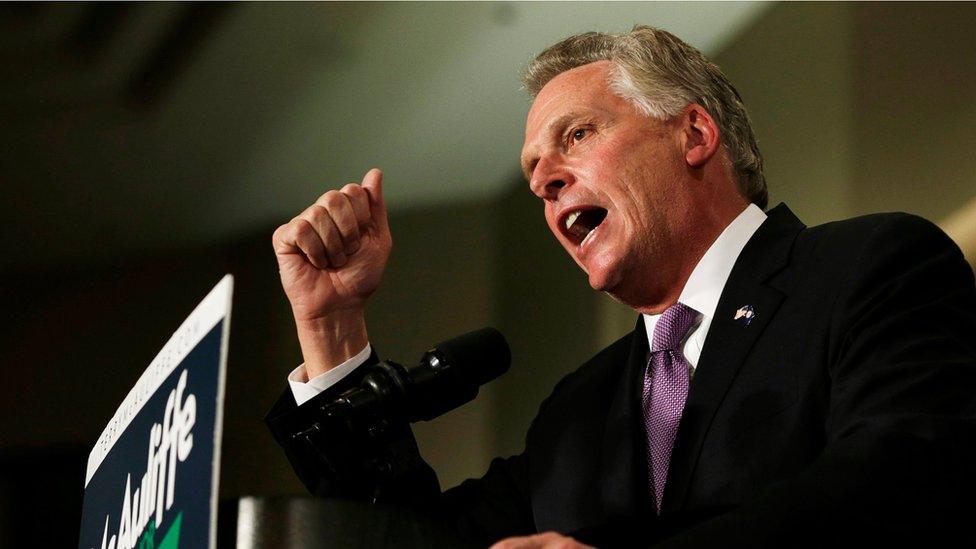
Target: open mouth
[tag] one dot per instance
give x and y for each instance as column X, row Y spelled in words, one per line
column 579, row 224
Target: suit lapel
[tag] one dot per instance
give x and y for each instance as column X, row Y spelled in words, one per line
column 729, row 340
column 624, row 488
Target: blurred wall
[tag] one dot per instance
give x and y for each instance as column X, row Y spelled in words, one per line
column 793, row 69
column 862, row 107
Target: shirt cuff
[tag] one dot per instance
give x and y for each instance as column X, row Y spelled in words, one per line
column 304, row 391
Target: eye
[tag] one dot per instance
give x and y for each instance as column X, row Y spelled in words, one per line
column 578, row 134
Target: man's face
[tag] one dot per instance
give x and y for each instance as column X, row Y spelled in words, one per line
column 612, row 180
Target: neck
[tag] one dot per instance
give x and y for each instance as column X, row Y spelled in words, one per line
column 655, row 290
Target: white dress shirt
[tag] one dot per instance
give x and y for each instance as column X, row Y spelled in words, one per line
column 701, row 293
column 707, row 280
column 303, row 389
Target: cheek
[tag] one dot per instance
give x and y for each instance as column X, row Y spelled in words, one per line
column 551, row 223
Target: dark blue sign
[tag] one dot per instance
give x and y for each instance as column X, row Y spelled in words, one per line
column 152, row 478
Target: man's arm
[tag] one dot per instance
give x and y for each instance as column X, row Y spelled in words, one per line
column 335, row 459
column 486, row 509
column 331, row 258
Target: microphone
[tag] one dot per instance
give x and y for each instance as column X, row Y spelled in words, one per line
column 447, row 376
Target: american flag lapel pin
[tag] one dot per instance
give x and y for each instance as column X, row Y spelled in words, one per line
column 745, row 314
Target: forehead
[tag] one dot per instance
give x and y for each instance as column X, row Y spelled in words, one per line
column 586, row 86
column 577, row 95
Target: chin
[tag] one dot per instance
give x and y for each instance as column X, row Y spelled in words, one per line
column 604, row 278
column 598, row 284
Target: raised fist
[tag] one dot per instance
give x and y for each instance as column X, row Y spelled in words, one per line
column 331, row 257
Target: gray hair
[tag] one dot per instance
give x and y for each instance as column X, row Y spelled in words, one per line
column 661, row 75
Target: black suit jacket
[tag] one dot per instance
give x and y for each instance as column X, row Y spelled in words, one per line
column 846, row 404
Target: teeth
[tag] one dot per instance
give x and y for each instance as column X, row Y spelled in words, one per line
column 571, row 219
column 587, row 237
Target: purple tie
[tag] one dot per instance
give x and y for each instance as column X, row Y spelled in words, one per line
column 665, row 391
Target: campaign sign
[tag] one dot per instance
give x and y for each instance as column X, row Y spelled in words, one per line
column 152, row 476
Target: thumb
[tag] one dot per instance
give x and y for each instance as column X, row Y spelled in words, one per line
column 373, row 183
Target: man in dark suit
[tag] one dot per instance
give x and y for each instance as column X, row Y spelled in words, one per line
column 784, row 385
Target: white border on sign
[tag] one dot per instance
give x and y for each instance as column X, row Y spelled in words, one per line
column 219, row 418
column 206, row 315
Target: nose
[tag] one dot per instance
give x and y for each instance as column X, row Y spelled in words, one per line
column 549, row 176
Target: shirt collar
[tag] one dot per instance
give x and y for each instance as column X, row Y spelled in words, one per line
column 704, row 287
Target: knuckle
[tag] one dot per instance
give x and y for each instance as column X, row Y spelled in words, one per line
column 352, row 189
column 356, row 195
column 333, row 199
column 315, row 213
column 301, row 227
column 280, row 233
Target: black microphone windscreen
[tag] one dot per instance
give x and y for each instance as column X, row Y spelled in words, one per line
column 481, row 355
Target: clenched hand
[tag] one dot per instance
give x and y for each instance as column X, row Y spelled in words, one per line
column 331, row 258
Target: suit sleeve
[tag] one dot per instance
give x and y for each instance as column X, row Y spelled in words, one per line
column 901, row 437
column 337, row 462
column 347, row 459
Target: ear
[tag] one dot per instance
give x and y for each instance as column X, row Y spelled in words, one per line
column 701, row 135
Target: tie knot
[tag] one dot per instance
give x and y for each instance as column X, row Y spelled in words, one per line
column 672, row 327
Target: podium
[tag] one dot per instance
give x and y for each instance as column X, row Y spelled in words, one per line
column 305, row 522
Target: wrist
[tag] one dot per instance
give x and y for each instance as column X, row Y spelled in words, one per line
column 330, row 340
